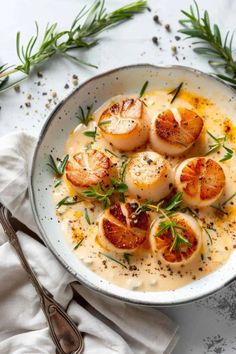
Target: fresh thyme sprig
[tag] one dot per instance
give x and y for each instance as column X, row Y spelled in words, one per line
column 58, row 169
column 85, row 118
column 100, row 194
column 173, row 228
column 212, row 44
column 218, row 144
column 220, row 207
column 171, row 206
column 67, row 201
column 86, row 26
column 175, row 92
column 119, row 186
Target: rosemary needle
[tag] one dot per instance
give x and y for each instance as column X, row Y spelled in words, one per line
column 81, row 34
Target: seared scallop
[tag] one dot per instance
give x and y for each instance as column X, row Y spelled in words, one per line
column 175, row 130
column 177, row 251
column 148, row 176
column 125, row 125
column 202, row 181
column 121, row 229
column 86, row 169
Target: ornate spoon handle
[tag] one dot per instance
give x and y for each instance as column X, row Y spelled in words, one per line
column 67, row 338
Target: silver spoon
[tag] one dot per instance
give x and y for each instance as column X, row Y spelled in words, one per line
column 65, row 335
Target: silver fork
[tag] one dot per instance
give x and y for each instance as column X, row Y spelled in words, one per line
column 65, row 335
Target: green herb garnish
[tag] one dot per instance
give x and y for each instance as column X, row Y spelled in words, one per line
column 57, row 184
column 91, row 133
column 127, row 257
column 86, row 215
column 81, row 34
column 113, row 259
column 175, row 92
column 208, row 234
column 88, row 146
column 212, row 44
column 175, row 202
column 104, row 122
column 58, row 169
column 171, row 206
column 218, row 144
column 78, row 244
column 67, row 201
column 173, row 227
column 119, row 186
column 101, row 195
column 124, row 164
column 143, row 89
column 85, row 118
column 220, row 207
column 111, row 152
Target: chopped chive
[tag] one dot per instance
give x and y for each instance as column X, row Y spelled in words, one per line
column 66, row 201
column 86, row 215
column 104, row 122
column 113, row 259
column 111, row 152
column 91, row 133
column 78, row 244
column 57, row 184
column 175, row 92
column 143, row 89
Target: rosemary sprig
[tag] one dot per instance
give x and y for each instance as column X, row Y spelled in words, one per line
column 58, row 169
column 127, row 257
column 78, row 244
column 86, row 215
column 67, row 201
column 208, row 234
column 175, row 92
column 220, row 207
column 85, row 118
column 124, row 164
column 113, row 259
column 100, row 194
column 218, row 144
column 82, row 34
column 173, row 227
column 212, row 44
column 111, row 152
column 143, row 89
column 171, row 206
column 57, row 184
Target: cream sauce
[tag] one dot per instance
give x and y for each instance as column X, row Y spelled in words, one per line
column 145, row 272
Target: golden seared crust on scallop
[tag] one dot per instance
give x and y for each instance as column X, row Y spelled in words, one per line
column 175, row 130
column 121, row 230
column 183, row 253
column 201, row 179
column 86, row 169
column 125, row 125
column 148, row 176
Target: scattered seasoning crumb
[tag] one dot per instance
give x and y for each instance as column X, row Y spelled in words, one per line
column 39, row 74
column 17, row 88
column 167, row 27
column 66, row 86
column 29, row 97
column 75, row 77
column 155, row 40
column 174, row 50
column 44, row 93
column 177, row 38
column 149, row 9
column 21, row 106
column 54, row 94
column 39, row 83
column 75, row 82
column 156, row 19
column 47, row 105
column 27, row 104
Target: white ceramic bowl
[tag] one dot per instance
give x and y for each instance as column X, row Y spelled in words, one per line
column 123, row 80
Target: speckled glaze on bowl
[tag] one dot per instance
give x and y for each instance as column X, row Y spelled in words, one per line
column 123, row 80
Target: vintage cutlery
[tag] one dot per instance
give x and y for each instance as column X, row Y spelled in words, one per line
column 66, row 336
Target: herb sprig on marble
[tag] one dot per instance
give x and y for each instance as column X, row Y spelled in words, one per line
column 210, row 42
column 81, row 34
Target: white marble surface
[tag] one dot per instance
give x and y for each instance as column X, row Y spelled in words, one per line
column 207, row 326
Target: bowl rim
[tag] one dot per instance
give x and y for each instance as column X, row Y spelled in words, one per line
column 49, row 245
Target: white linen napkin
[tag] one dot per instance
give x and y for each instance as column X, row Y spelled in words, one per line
column 109, row 326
